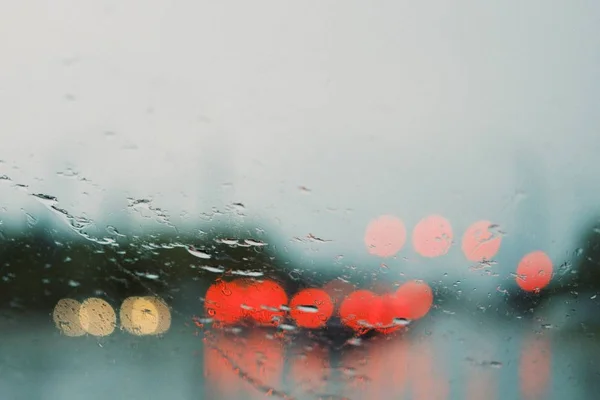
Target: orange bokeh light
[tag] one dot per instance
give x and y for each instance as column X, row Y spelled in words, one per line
column 385, row 236
column 479, row 242
column 534, row 271
column 311, row 308
column 432, row 236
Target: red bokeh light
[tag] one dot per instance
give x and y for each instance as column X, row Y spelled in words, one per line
column 384, row 311
column 223, row 302
column 263, row 301
column 229, row 302
column 364, row 310
column 361, row 310
column 385, row 236
column 313, row 298
column 479, row 242
column 534, row 271
column 414, row 299
column 432, row 236
column 355, row 310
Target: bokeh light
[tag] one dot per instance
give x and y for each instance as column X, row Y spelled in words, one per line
column 97, row 317
column 534, row 271
column 355, row 310
column 432, row 236
column 66, row 317
column 145, row 316
column 385, row 236
column 414, row 299
column 260, row 300
column 264, row 301
column 223, row 302
column 480, row 242
column 311, row 308
column 363, row 310
column 385, row 312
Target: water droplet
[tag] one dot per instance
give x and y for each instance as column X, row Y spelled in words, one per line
column 46, row 199
column 113, row 231
column 295, row 274
column 307, row 308
column 216, row 270
column 401, row 321
column 198, row 253
column 252, row 242
column 147, row 275
column 247, row 273
column 229, row 242
column 239, row 206
column 286, row 327
column 31, row 220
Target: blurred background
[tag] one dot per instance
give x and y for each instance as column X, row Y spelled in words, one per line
column 150, row 150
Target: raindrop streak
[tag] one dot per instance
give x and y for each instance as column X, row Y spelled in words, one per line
column 247, row 273
column 145, row 204
column 31, row 220
column 307, row 308
column 254, row 243
column 216, row 270
column 286, row 327
column 113, row 231
column 197, row 253
column 401, row 321
column 229, row 242
column 77, row 224
column 147, row 275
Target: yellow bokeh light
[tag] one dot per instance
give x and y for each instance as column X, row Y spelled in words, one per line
column 145, row 316
column 97, row 317
column 66, row 317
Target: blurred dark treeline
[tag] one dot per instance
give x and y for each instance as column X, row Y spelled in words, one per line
column 40, row 266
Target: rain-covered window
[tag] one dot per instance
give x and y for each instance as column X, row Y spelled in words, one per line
column 299, row 200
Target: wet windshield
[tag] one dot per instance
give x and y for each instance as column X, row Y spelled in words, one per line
column 301, row 201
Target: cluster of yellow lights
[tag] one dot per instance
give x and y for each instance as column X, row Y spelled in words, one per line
column 141, row 316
